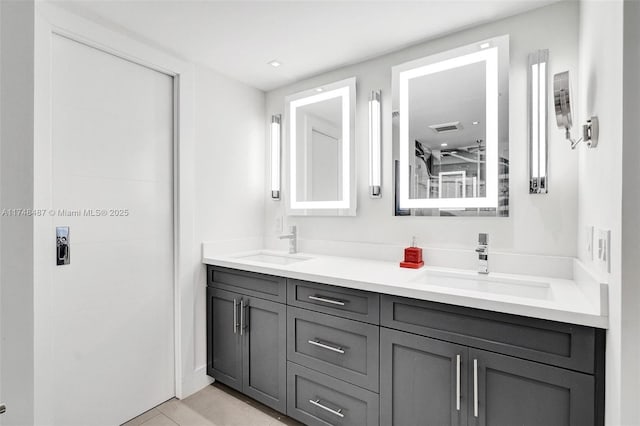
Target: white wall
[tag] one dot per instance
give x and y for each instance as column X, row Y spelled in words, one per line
column 221, row 164
column 16, row 191
column 600, row 171
column 229, row 169
column 538, row 224
column 630, row 291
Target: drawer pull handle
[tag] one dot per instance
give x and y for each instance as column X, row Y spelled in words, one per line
column 458, row 382
column 325, row 300
column 241, row 317
column 325, row 346
column 325, row 408
column 475, row 388
column 235, row 315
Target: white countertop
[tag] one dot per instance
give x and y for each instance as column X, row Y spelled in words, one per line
column 532, row 296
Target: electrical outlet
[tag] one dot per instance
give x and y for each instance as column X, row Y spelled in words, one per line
column 279, row 226
column 604, row 249
column 589, row 238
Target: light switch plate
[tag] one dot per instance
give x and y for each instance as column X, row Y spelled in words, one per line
column 589, row 237
column 604, row 249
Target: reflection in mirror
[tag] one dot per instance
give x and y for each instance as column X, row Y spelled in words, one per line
column 450, row 131
column 321, row 150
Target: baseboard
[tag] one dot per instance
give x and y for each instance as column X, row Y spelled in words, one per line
column 198, row 381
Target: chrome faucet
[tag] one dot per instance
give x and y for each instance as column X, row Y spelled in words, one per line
column 293, row 239
column 483, row 253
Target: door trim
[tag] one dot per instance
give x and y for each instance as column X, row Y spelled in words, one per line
column 52, row 20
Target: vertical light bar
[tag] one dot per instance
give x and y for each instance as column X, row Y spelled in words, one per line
column 542, row 120
column 276, row 141
column 535, row 140
column 375, row 130
column 537, row 91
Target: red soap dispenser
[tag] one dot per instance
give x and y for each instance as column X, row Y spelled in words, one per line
column 412, row 256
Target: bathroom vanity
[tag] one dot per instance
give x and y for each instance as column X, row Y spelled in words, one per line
column 332, row 350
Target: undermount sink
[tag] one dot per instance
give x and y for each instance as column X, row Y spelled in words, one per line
column 487, row 284
column 274, row 258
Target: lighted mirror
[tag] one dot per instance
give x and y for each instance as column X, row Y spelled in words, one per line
column 451, row 132
column 321, row 150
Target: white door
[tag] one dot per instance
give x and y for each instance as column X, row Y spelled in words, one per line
column 113, row 310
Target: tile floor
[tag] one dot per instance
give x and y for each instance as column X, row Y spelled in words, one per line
column 215, row 405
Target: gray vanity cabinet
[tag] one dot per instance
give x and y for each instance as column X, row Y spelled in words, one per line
column 423, row 381
column 324, row 355
column 246, row 339
column 264, row 352
column 429, row 382
column 224, row 343
column 512, row 370
column 514, row 391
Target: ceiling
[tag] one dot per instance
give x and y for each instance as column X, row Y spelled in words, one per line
column 239, row 38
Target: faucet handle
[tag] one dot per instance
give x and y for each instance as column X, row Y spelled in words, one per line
column 483, row 239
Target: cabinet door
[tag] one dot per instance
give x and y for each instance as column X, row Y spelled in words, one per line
column 507, row 391
column 224, row 346
column 265, row 351
column 422, row 381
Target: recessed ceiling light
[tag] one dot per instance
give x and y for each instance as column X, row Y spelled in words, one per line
column 319, row 89
column 475, row 122
column 275, row 63
column 485, row 45
column 443, row 144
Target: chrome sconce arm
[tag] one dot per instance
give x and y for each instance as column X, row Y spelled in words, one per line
column 375, row 145
column 276, row 144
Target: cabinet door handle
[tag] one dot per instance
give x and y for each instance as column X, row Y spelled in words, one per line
column 327, row 300
column 458, row 382
column 235, row 316
column 325, row 408
column 241, row 317
column 475, row 388
column 326, row 346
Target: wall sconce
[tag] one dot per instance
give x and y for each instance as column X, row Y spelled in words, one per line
column 538, row 153
column 276, row 141
column 562, row 103
column 375, row 130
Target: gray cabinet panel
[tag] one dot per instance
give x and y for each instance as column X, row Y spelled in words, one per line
column 564, row 345
column 249, row 283
column 344, row 302
column 224, row 353
column 264, row 352
column 419, row 379
column 342, row 348
column 529, row 372
column 319, row 400
column 513, row 391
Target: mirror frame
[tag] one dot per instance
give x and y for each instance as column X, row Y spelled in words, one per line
column 495, row 53
column 346, row 206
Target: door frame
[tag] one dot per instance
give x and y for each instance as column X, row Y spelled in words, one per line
column 50, row 21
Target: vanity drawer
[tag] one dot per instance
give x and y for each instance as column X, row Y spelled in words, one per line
column 345, row 302
column 339, row 347
column 250, row 283
column 317, row 399
column 560, row 344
